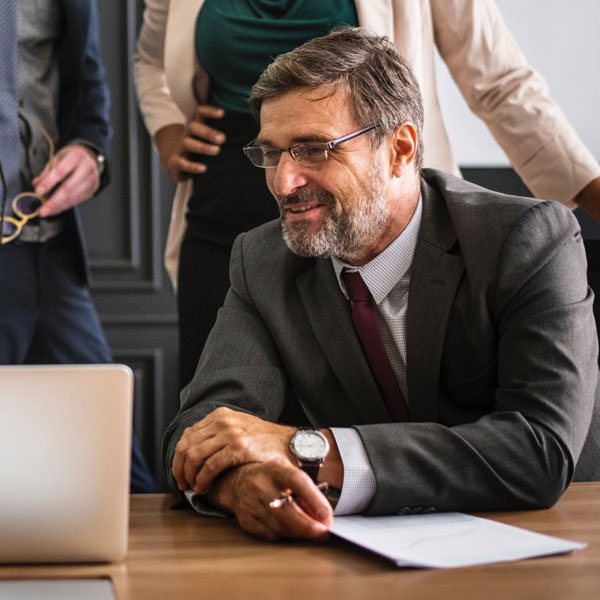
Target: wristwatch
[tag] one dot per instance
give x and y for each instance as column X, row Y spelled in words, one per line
column 310, row 447
column 100, row 162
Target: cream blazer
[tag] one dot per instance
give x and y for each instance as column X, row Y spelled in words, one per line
column 482, row 56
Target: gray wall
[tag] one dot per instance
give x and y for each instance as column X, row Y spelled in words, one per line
column 560, row 39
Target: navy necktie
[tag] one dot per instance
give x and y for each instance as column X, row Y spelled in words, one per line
column 9, row 110
column 366, row 324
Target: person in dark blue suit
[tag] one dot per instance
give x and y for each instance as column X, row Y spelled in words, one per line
column 54, row 133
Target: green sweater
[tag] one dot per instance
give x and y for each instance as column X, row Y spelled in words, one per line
column 237, row 39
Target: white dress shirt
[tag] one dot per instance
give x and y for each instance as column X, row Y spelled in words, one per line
column 387, row 277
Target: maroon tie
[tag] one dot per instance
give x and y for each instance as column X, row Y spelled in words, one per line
column 367, row 327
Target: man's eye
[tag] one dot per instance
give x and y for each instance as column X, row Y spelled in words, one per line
column 313, row 152
column 271, row 153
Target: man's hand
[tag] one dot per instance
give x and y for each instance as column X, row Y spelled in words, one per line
column 227, row 438
column 247, row 490
column 175, row 143
column 74, row 170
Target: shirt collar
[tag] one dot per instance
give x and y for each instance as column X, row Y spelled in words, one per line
column 384, row 272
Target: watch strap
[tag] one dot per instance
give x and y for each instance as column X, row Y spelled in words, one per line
column 311, row 469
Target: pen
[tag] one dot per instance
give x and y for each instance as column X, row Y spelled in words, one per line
column 293, row 497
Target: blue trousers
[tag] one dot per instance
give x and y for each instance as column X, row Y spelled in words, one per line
column 47, row 316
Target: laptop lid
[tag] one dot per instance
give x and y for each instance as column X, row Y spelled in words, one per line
column 65, row 452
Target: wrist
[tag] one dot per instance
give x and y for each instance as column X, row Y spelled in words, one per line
column 100, row 161
column 95, row 153
column 310, row 448
column 332, row 469
column 221, row 494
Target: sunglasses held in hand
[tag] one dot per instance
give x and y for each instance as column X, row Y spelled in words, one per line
column 25, row 206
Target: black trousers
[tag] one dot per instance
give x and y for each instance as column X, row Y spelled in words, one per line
column 231, row 197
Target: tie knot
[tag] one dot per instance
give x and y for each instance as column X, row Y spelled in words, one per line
column 355, row 286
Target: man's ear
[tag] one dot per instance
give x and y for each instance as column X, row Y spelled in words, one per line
column 404, row 148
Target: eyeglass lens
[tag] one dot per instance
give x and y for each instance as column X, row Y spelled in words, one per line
column 8, row 228
column 27, row 205
column 310, row 154
column 307, row 154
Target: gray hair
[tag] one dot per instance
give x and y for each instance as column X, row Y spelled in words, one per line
column 379, row 82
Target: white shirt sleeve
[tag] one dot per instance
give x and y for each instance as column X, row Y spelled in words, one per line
column 359, row 483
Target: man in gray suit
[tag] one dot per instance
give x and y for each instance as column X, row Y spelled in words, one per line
column 480, row 301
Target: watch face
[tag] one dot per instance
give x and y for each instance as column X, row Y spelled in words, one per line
column 310, row 445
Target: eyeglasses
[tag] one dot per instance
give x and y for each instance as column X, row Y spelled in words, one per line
column 25, row 206
column 308, row 154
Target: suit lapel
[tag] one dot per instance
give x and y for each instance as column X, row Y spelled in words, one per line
column 331, row 321
column 435, row 275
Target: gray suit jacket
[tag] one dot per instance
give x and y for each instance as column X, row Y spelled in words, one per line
column 501, row 354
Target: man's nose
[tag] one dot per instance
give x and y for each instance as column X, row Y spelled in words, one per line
column 288, row 176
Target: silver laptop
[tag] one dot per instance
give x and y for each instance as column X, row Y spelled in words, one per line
column 65, row 439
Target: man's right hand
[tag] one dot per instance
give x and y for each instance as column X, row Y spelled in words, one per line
column 247, row 490
column 175, row 143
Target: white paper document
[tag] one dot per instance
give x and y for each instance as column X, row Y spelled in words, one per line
column 444, row 540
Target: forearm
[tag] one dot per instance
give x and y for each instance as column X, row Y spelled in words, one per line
column 332, row 469
column 512, row 99
column 154, row 96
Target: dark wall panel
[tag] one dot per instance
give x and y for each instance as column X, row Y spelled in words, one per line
column 126, row 228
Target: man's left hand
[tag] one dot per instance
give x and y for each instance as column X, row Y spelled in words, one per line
column 223, row 439
column 75, row 173
column 247, row 490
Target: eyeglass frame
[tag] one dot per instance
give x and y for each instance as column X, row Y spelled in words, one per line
column 292, row 150
column 23, row 218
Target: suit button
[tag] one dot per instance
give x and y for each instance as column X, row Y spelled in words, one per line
column 405, row 510
column 429, row 509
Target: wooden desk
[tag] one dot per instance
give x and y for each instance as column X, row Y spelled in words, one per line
column 176, row 554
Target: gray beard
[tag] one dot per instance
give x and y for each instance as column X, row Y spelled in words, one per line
column 347, row 234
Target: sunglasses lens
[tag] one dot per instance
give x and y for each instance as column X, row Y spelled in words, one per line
column 8, row 228
column 27, row 204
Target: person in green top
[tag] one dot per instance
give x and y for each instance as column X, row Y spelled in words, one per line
column 234, row 41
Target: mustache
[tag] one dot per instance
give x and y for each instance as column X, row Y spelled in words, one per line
column 303, row 195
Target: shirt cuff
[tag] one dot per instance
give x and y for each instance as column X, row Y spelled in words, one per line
column 359, row 483
column 201, row 506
